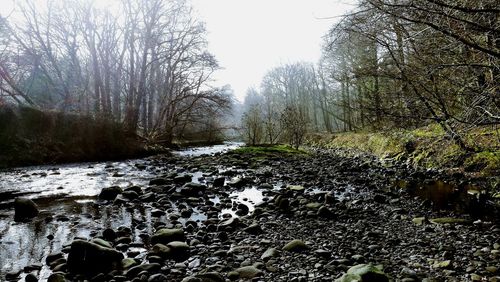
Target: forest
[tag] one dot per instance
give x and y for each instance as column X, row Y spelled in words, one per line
column 389, row 65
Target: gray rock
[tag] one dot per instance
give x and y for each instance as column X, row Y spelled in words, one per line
column 363, row 273
column 295, row 246
column 56, row 277
column 90, row 258
column 148, row 267
column 157, row 278
column 254, row 229
column 30, row 277
column 210, row 277
column 248, row 272
column 269, row 253
column 110, row 193
column 24, row 209
column 165, row 236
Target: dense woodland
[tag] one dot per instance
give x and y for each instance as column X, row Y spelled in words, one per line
column 142, row 63
column 388, row 65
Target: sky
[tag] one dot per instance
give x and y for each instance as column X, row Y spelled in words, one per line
column 250, row 37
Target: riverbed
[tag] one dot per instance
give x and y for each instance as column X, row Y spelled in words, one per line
column 66, row 196
column 346, row 210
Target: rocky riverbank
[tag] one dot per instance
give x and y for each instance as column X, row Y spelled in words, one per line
column 292, row 217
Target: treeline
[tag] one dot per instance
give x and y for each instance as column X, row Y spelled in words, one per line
column 141, row 63
column 394, row 64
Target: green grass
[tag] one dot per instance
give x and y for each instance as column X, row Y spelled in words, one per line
column 426, row 147
column 268, row 149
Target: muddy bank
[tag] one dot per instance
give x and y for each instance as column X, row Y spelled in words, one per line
column 275, row 218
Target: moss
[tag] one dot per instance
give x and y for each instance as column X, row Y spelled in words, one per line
column 264, row 150
column 426, row 147
column 486, row 161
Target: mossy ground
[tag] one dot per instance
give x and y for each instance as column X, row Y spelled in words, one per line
column 269, row 149
column 427, row 147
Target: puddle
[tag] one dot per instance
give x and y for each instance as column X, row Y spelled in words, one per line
column 445, row 196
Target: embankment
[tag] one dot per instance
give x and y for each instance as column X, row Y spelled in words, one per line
column 29, row 137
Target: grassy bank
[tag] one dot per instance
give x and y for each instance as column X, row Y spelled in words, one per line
column 426, row 147
column 30, row 137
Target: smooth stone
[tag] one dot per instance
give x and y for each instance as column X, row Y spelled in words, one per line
column 248, row 272
column 24, row 209
column 56, row 277
column 269, row 253
column 295, row 246
column 90, row 258
column 165, row 236
column 110, row 193
column 363, row 273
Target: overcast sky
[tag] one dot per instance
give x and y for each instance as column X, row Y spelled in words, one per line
column 249, row 37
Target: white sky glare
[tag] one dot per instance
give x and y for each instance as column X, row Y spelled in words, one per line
column 249, row 37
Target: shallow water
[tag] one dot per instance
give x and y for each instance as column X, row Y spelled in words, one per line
column 66, row 197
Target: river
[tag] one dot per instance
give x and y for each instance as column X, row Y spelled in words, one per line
column 66, row 196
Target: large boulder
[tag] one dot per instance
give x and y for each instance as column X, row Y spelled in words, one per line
column 89, row 259
column 364, row 273
column 24, row 209
column 165, row 236
column 110, row 193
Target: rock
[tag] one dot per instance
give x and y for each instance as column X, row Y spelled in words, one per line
column 324, row 212
column 56, row 277
column 442, row 264
column 269, row 253
column 24, row 209
column 30, row 277
column 283, row 204
column 13, row 275
column 53, row 257
column 298, row 188
column 313, row 206
column 128, row 263
column 102, row 243
column 219, row 181
column 242, row 210
column 179, row 251
column 229, row 224
column 295, row 246
column 90, row 259
column 418, row 220
column 363, row 273
column 109, row 235
column 254, row 229
column 110, row 193
column 191, row 279
column 158, row 181
column 148, row 267
column 192, row 189
column 165, row 236
column 160, row 250
column 210, row 277
column 248, row 272
column 237, row 182
column 181, row 179
column 130, row 195
column 157, row 278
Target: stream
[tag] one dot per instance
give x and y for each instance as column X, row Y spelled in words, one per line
column 66, row 196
